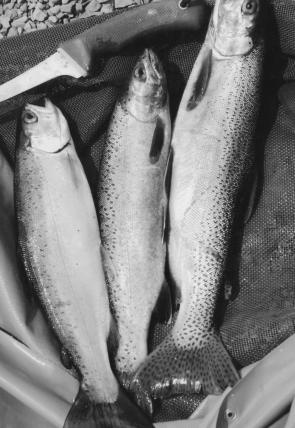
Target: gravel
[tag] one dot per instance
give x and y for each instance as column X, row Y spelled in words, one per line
column 25, row 16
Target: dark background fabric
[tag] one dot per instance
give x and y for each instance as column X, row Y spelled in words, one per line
column 261, row 263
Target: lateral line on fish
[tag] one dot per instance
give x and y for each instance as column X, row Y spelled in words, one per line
column 56, row 230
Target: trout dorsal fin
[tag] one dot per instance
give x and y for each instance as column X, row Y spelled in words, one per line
column 157, row 141
column 201, row 84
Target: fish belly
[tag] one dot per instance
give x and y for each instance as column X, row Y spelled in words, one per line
column 132, row 207
column 60, row 244
column 211, row 146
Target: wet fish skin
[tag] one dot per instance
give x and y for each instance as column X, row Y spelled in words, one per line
column 18, row 315
column 60, row 245
column 59, row 242
column 132, row 207
column 211, row 143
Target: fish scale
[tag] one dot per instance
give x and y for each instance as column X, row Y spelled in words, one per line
column 211, row 143
column 44, row 242
column 132, row 204
column 60, row 243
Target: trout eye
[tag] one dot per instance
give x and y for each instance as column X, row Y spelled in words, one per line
column 30, row 117
column 140, row 73
column 249, row 7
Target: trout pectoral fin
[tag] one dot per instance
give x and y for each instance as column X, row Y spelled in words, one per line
column 157, row 141
column 201, row 84
column 108, row 265
column 66, row 358
column 252, row 198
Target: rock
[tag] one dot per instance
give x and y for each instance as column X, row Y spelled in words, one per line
column 20, row 22
column 20, row 30
column 41, row 26
column 93, row 6
column 39, row 15
column 79, row 7
column 122, row 3
column 67, row 8
column 53, row 19
column 107, row 8
column 12, row 32
column 41, row 6
column 12, row 14
column 60, row 15
column 5, row 21
column 54, row 10
column 65, row 1
column 27, row 27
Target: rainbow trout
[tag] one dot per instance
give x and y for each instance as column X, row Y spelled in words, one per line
column 60, row 246
column 132, row 207
column 211, row 143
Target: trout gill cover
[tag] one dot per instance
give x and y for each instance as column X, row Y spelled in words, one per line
column 211, row 144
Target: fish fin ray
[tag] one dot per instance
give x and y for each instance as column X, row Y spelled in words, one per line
column 157, row 141
column 163, row 310
column 179, row 370
column 252, row 198
column 65, row 358
column 201, row 84
column 120, row 414
column 109, row 268
column 166, row 191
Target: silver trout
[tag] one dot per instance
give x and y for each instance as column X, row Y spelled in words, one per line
column 19, row 316
column 60, row 246
column 132, row 208
column 211, row 144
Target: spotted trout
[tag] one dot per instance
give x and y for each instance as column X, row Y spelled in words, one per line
column 59, row 239
column 211, row 146
column 132, row 208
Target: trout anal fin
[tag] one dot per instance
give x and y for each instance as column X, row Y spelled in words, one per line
column 201, row 83
column 171, row 370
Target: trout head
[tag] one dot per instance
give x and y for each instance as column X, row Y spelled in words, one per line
column 233, row 26
column 44, row 128
column 147, row 87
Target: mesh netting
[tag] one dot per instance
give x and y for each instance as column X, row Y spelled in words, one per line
column 261, row 266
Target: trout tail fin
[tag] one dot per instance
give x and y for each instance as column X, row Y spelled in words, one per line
column 183, row 365
column 121, row 414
